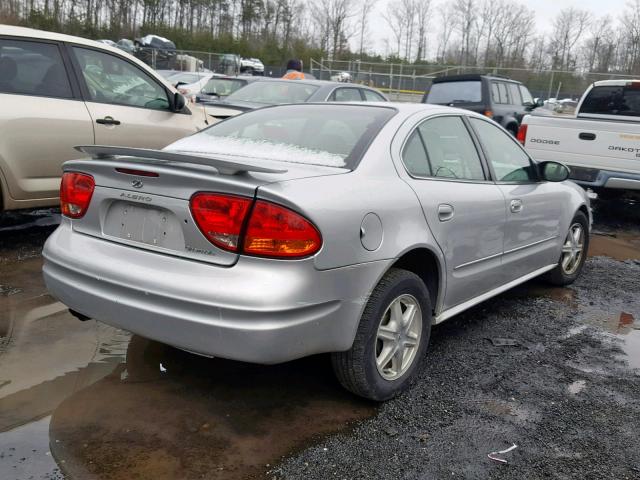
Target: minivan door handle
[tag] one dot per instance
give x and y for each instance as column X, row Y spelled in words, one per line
column 587, row 136
column 516, row 205
column 445, row 212
column 108, row 121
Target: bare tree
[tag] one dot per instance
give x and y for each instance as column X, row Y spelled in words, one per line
column 366, row 8
column 423, row 11
column 568, row 28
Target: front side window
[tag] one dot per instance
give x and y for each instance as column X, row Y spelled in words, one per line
column 514, row 93
column 613, row 100
column 510, row 163
column 328, row 134
column 346, row 95
column 450, row 149
column 32, row 68
column 110, row 79
column 527, row 99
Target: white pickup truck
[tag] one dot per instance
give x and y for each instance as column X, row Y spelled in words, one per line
column 601, row 144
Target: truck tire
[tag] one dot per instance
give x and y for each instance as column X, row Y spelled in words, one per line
column 391, row 339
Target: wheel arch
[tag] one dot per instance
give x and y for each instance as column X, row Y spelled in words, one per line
column 425, row 263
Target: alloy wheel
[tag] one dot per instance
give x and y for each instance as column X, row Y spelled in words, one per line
column 573, row 249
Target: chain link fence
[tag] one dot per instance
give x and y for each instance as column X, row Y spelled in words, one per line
column 409, row 82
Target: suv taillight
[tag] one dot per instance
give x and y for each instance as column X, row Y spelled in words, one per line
column 522, row 134
column 271, row 230
column 76, row 190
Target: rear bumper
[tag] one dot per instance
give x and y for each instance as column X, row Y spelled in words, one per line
column 260, row 310
column 589, row 177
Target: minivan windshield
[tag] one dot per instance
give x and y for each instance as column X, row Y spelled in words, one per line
column 455, row 92
column 326, row 135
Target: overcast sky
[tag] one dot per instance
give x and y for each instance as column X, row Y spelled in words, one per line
column 545, row 12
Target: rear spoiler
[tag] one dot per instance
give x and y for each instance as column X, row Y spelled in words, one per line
column 224, row 167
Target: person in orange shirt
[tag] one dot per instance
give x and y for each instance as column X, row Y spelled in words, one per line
column 294, row 70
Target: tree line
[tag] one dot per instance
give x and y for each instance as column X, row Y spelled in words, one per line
column 473, row 33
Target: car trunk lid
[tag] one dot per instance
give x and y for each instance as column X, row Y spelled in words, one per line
column 141, row 197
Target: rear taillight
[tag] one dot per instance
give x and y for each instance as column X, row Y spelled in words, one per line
column 522, row 134
column 488, row 113
column 76, row 190
column 220, row 218
column 271, row 230
column 276, row 231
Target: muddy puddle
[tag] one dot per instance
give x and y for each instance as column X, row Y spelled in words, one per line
column 82, row 400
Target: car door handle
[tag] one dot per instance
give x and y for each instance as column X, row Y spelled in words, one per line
column 587, row 136
column 516, row 205
column 108, row 121
column 445, row 212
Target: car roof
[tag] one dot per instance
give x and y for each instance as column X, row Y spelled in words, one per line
column 615, row 83
column 471, row 77
column 11, row 30
column 404, row 108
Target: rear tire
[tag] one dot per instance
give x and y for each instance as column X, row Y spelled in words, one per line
column 391, row 340
column 574, row 252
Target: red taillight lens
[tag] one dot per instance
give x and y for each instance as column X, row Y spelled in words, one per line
column 271, row 231
column 488, row 113
column 76, row 190
column 276, row 231
column 522, row 134
column 220, row 218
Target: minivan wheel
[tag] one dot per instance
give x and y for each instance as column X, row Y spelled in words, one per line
column 574, row 252
column 391, row 339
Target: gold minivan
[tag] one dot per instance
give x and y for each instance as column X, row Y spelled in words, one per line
column 58, row 91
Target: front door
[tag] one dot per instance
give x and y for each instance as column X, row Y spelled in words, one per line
column 127, row 105
column 534, row 208
column 464, row 210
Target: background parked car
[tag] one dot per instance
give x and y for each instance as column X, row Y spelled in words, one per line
column 58, row 91
column 251, row 66
column 156, row 51
column 190, row 83
column 126, row 45
column 272, row 91
column 504, row 100
column 220, row 86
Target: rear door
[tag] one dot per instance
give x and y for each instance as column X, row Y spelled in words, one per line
column 41, row 117
column 464, row 209
column 128, row 106
column 534, row 208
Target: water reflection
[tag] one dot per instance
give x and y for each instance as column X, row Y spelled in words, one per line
column 171, row 414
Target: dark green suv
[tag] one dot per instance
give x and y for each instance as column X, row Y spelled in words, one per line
column 504, row 100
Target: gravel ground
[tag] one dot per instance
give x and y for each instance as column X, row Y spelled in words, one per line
column 565, row 395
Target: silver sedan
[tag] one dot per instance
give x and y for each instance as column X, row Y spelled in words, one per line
column 301, row 229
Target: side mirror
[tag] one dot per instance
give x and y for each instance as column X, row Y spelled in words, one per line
column 539, row 102
column 178, row 102
column 553, row 171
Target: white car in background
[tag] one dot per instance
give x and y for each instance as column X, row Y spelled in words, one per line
column 252, row 66
column 190, row 83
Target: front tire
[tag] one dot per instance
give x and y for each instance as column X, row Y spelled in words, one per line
column 574, row 252
column 391, row 340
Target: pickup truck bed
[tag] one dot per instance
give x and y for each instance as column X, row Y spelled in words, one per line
column 602, row 150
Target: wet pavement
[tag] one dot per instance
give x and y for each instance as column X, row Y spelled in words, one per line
column 554, row 370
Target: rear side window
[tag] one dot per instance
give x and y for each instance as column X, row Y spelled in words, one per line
column 33, row 68
column 414, row 156
column 455, row 92
column 450, row 150
column 500, row 92
column 613, row 100
column 371, row 96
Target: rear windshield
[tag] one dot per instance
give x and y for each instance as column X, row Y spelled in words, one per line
column 274, row 93
column 613, row 100
column 327, row 135
column 455, row 92
column 223, row 86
